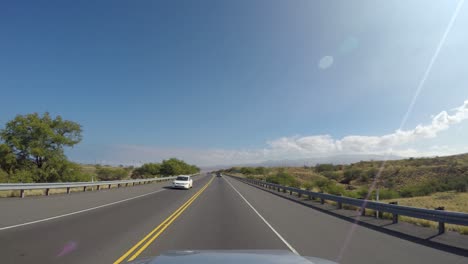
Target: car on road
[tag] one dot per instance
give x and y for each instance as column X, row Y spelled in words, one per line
column 183, row 182
column 218, row 174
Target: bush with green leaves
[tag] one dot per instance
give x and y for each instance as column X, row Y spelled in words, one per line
column 3, row 176
column 324, row 167
column 23, row 176
column 308, row 186
column 247, row 170
column 386, row 194
column 351, row 174
column 111, row 174
column 332, row 175
column 147, row 170
column 285, row 179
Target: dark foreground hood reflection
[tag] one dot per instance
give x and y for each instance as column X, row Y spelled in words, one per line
column 231, row 257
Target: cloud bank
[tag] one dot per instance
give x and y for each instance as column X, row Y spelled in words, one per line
column 298, row 147
column 325, row 144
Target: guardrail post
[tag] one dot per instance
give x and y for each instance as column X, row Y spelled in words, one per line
column 322, row 201
column 394, row 216
column 68, row 190
column 118, row 185
column 284, row 190
column 22, row 193
column 84, row 189
column 441, row 224
column 299, row 194
column 47, row 192
column 290, row 192
column 339, row 204
column 109, row 186
column 98, row 187
column 133, row 183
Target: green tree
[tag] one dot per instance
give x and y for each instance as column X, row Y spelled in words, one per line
column 35, row 139
column 33, row 148
column 147, row 170
column 7, row 158
column 175, row 166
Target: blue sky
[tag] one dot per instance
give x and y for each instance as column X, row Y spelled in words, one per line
column 225, row 82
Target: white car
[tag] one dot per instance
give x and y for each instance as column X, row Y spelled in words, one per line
column 183, row 181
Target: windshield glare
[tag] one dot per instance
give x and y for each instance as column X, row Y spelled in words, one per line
column 182, row 178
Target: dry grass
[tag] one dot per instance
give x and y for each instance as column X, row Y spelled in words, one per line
column 4, row 194
column 452, row 201
column 88, row 169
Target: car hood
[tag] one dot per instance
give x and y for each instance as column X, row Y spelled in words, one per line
column 231, row 257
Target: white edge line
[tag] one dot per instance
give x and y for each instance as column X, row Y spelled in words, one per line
column 264, row 220
column 77, row 212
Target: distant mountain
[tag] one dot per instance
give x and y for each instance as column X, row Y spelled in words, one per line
column 336, row 159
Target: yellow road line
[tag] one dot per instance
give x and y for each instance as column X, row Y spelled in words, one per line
column 167, row 225
column 174, row 214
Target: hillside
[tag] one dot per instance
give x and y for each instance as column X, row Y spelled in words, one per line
column 398, row 178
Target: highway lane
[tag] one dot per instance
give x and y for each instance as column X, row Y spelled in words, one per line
column 219, row 220
column 313, row 233
column 97, row 236
column 212, row 215
column 33, row 208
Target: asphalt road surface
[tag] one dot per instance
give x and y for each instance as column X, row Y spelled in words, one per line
column 218, row 213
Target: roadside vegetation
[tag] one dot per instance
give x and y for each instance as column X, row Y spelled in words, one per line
column 168, row 167
column 406, row 178
column 417, row 182
column 32, row 150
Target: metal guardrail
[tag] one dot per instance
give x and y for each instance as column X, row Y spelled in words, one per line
column 22, row 187
column 438, row 215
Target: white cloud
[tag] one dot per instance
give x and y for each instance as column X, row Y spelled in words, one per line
column 296, row 147
column 314, row 145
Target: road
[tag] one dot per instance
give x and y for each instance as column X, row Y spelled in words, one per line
column 218, row 213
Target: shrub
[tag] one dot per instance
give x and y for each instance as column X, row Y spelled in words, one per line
column 332, row 175
column 308, row 186
column 351, row 174
column 147, row 170
column 322, row 184
column 284, row 178
column 3, row 176
column 335, row 189
column 260, row 170
column 111, row 174
column 364, row 178
column 324, row 167
column 24, row 176
column 385, row 194
column 247, row 171
column 362, row 192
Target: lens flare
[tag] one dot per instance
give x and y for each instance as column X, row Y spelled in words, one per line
column 68, row 248
column 326, row 62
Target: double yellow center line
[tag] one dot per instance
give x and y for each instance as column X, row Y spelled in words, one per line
column 155, row 233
